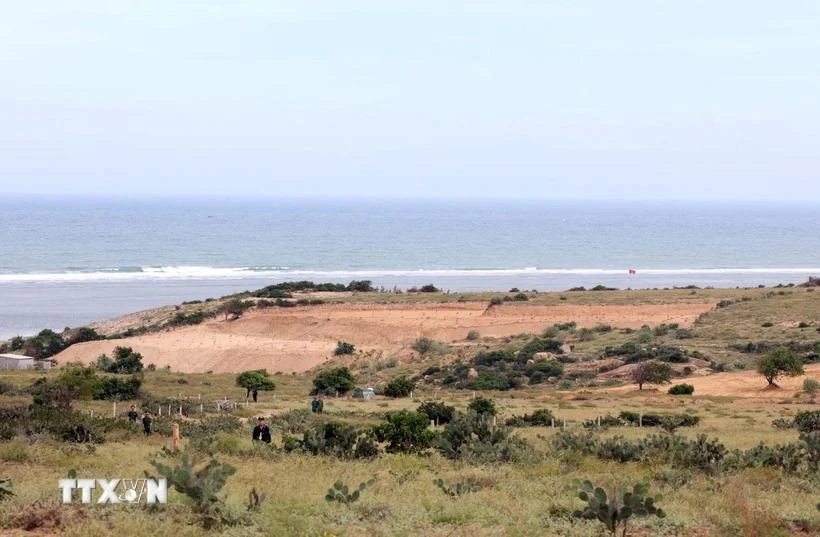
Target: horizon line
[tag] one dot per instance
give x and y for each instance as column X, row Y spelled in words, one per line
column 272, row 197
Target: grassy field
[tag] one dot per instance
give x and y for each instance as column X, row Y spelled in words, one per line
column 525, row 496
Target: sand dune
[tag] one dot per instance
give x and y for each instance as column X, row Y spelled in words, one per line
column 298, row 339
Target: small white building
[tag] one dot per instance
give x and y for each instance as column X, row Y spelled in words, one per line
column 18, row 361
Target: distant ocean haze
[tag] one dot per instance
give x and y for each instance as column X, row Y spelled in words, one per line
column 71, row 262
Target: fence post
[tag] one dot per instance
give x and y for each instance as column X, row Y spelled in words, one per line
column 640, row 420
column 159, row 410
column 552, row 423
column 175, row 436
column 114, row 411
column 599, row 422
column 201, row 409
column 169, row 409
column 92, row 412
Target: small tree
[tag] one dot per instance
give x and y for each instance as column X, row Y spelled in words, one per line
column 399, row 387
column 651, row 373
column 126, row 361
column 233, row 308
column 338, row 379
column 405, row 432
column 483, row 406
column 255, row 380
column 437, row 411
column 781, row 361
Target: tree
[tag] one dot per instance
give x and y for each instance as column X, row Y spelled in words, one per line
column 437, row 411
column 483, row 406
column 233, row 308
column 405, row 432
column 338, row 379
column 125, row 361
column 781, row 361
column 651, row 373
column 399, row 387
column 255, row 380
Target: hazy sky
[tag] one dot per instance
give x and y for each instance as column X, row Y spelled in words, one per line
column 570, row 98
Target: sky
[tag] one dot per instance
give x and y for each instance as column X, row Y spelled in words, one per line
column 546, row 99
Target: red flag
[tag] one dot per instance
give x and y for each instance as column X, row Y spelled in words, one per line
column 632, row 271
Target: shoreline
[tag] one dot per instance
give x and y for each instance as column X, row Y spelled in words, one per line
column 60, row 304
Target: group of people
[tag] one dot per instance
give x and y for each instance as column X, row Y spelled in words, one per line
column 317, row 406
column 147, row 419
column 261, row 433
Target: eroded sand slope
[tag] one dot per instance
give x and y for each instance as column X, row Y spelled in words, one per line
column 298, row 339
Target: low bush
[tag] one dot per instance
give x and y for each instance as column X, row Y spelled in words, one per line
column 399, row 387
column 539, row 418
column 405, row 432
column 807, row 421
column 682, row 389
column 437, row 412
column 344, row 348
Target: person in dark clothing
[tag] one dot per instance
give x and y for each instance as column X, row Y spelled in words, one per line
column 321, row 406
column 261, row 431
column 146, row 423
column 255, row 393
column 133, row 414
column 314, row 405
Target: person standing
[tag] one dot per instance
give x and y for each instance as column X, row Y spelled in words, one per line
column 255, row 394
column 314, row 405
column 133, row 414
column 146, row 423
column 261, row 432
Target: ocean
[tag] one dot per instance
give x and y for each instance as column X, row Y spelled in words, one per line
column 69, row 262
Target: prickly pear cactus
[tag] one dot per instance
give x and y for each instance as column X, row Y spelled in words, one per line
column 616, row 511
column 5, row 489
column 340, row 492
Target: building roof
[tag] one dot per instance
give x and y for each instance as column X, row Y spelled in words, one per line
column 15, row 357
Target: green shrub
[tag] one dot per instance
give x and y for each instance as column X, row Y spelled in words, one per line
column 116, row 389
column 483, row 406
column 343, row 348
column 807, row 421
column 811, row 386
column 338, row 379
column 425, row 345
column 539, row 418
column 437, row 412
column 399, row 387
column 682, row 389
column 473, row 335
column 405, row 432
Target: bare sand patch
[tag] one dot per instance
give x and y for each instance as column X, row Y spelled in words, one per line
column 740, row 384
column 300, row 338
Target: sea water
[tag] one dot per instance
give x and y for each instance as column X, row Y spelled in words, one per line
column 68, row 262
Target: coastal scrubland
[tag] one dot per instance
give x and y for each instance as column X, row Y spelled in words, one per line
column 736, row 457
